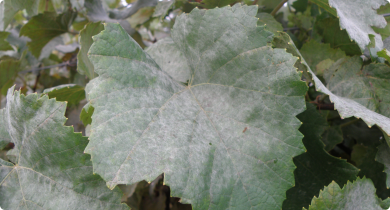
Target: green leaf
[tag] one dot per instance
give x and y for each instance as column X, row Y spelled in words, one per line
column 9, row 69
column 315, row 168
column 162, row 8
column 300, row 5
column 382, row 156
column 84, row 65
column 209, row 4
column 170, row 59
column 384, row 54
column 357, row 195
column 50, row 170
column 44, row 27
column 227, row 139
column 331, row 137
column 315, row 52
column 4, row 45
column 346, row 106
column 364, row 158
column 70, row 93
column 369, row 86
column 325, row 5
column 86, row 114
column 330, row 30
column 358, row 25
column 269, row 21
column 31, row 6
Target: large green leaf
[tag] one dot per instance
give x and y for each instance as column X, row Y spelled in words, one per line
column 383, row 157
column 49, row 170
column 315, row 168
column 227, row 139
column 269, row 21
column 357, row 17
column 84, row 66
column 170, row 59
column 369, row 86
column 4, row 45
column 345, row 106
column 357, row 195
column 44, row 27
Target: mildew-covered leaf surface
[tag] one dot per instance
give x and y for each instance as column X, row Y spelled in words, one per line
column 225, row 140
column 47, row 167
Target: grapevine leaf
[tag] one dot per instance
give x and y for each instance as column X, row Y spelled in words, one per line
column 369, row 86
column 84, row 65
column 209, row 4
column 345, row 106
column 162, row 8
column 330, row 30
column 9, row 69
column 383, row 157
column 4, row 45
column 7, row 13
column 300, row 5
column 50, row 169
column 269, row 21
column 384, row 54
column 357, row 17
column 4, row 136
column 44, row 27
column 70, row 93
column 86, row 114
column 364, row 158
column 315, row 168
column 357, row 195
column 315, row 52
column 214, row 139
column 331, row 137
column 325, row 5
column 141, row 16
column 170, row 59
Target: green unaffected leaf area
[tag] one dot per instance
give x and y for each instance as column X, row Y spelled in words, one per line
column 225, row 140
column 170, row 59
column 41, row 29
column 4, row 135
column 357, row 17
column 49, row 169
column 315, row 52
column 325, row 5
column 369, row 86
column 86, row 114
column 357, row 195
column 331, row 137
column 70, row 93
column 84, row 66
column 315, row 168
column 346, row 106
column 4, row 45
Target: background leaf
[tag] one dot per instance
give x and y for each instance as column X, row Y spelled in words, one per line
column 48, row 159
column 70, row 93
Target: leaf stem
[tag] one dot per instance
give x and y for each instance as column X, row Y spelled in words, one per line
column 349, row 123
column 280, row 5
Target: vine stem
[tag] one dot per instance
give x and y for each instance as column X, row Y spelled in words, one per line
column 280, row 5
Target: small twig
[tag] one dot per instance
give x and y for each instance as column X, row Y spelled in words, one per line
column 49, row 67
column 349, row 123
column 280, row 5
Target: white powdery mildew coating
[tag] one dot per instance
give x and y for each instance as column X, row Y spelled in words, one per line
column 357, row 17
